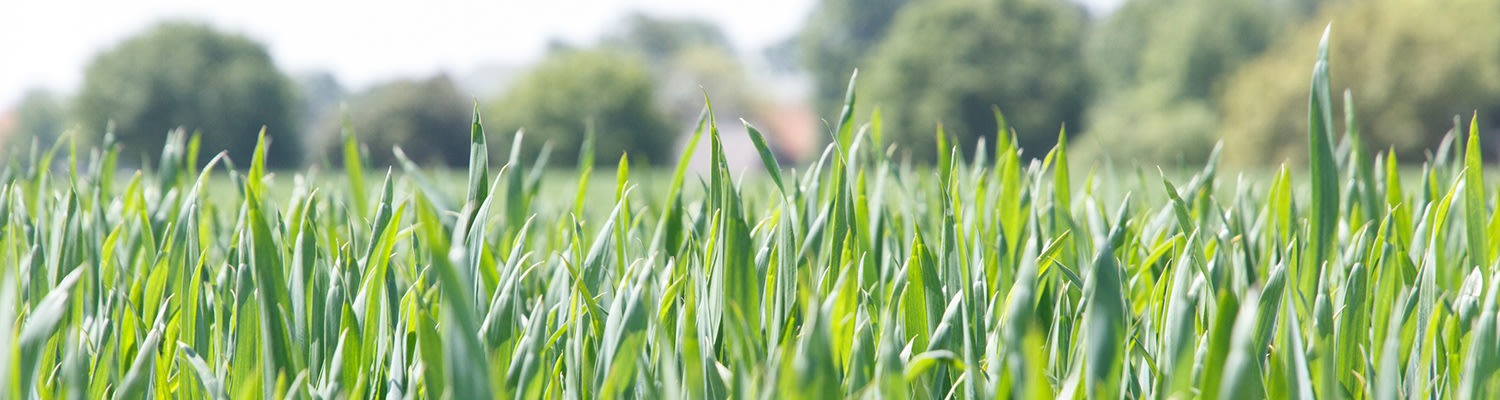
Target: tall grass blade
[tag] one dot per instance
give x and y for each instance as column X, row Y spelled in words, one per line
column 1325, row 187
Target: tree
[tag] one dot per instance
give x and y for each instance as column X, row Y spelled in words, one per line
column 429, row 119
column 951, row 61
column 39, row 117
column 190, row 75
column 1160, row 64
column 1412, row 66
column 1186, row 44
column 837, row 38
column 556, row 100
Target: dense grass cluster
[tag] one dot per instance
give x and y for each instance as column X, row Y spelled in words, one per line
column 859, row 277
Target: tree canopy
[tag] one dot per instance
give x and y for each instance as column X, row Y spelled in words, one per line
column 555, row 101
column 836, row 40
column 1159, row 64
column 952, row 61
column 1412, row 67
column 184, row 74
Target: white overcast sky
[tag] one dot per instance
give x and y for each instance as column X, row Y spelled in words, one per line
column 47, row 43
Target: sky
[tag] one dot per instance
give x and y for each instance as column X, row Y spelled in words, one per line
column 48, row 43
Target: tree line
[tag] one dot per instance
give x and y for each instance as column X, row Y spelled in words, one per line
column 1154, row 81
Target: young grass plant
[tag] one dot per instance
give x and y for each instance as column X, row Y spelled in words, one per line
column 987, row 277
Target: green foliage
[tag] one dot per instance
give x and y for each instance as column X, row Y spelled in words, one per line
column 837, row 39
column 1412, row 65
column 1184, row 44
column 951, row 61
column 1325, row 176
column 425, row 118
column 1159, row 64
column 183, row 74
column 561, row 95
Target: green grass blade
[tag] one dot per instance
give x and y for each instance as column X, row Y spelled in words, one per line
column 585, row 166
column 766, row 158
column 354, row 167
column 479, row 162
column 271, row 284
column 1474, row 205
column 465, row 355
column 133, row 385
column 1325, row 187
column 845, row 127
column 1105, row 315
column 211, row 383
column 44, row 320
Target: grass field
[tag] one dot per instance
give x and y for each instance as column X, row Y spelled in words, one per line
column 984, row 276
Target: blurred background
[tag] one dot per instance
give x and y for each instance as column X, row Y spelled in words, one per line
column 1136, row 82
